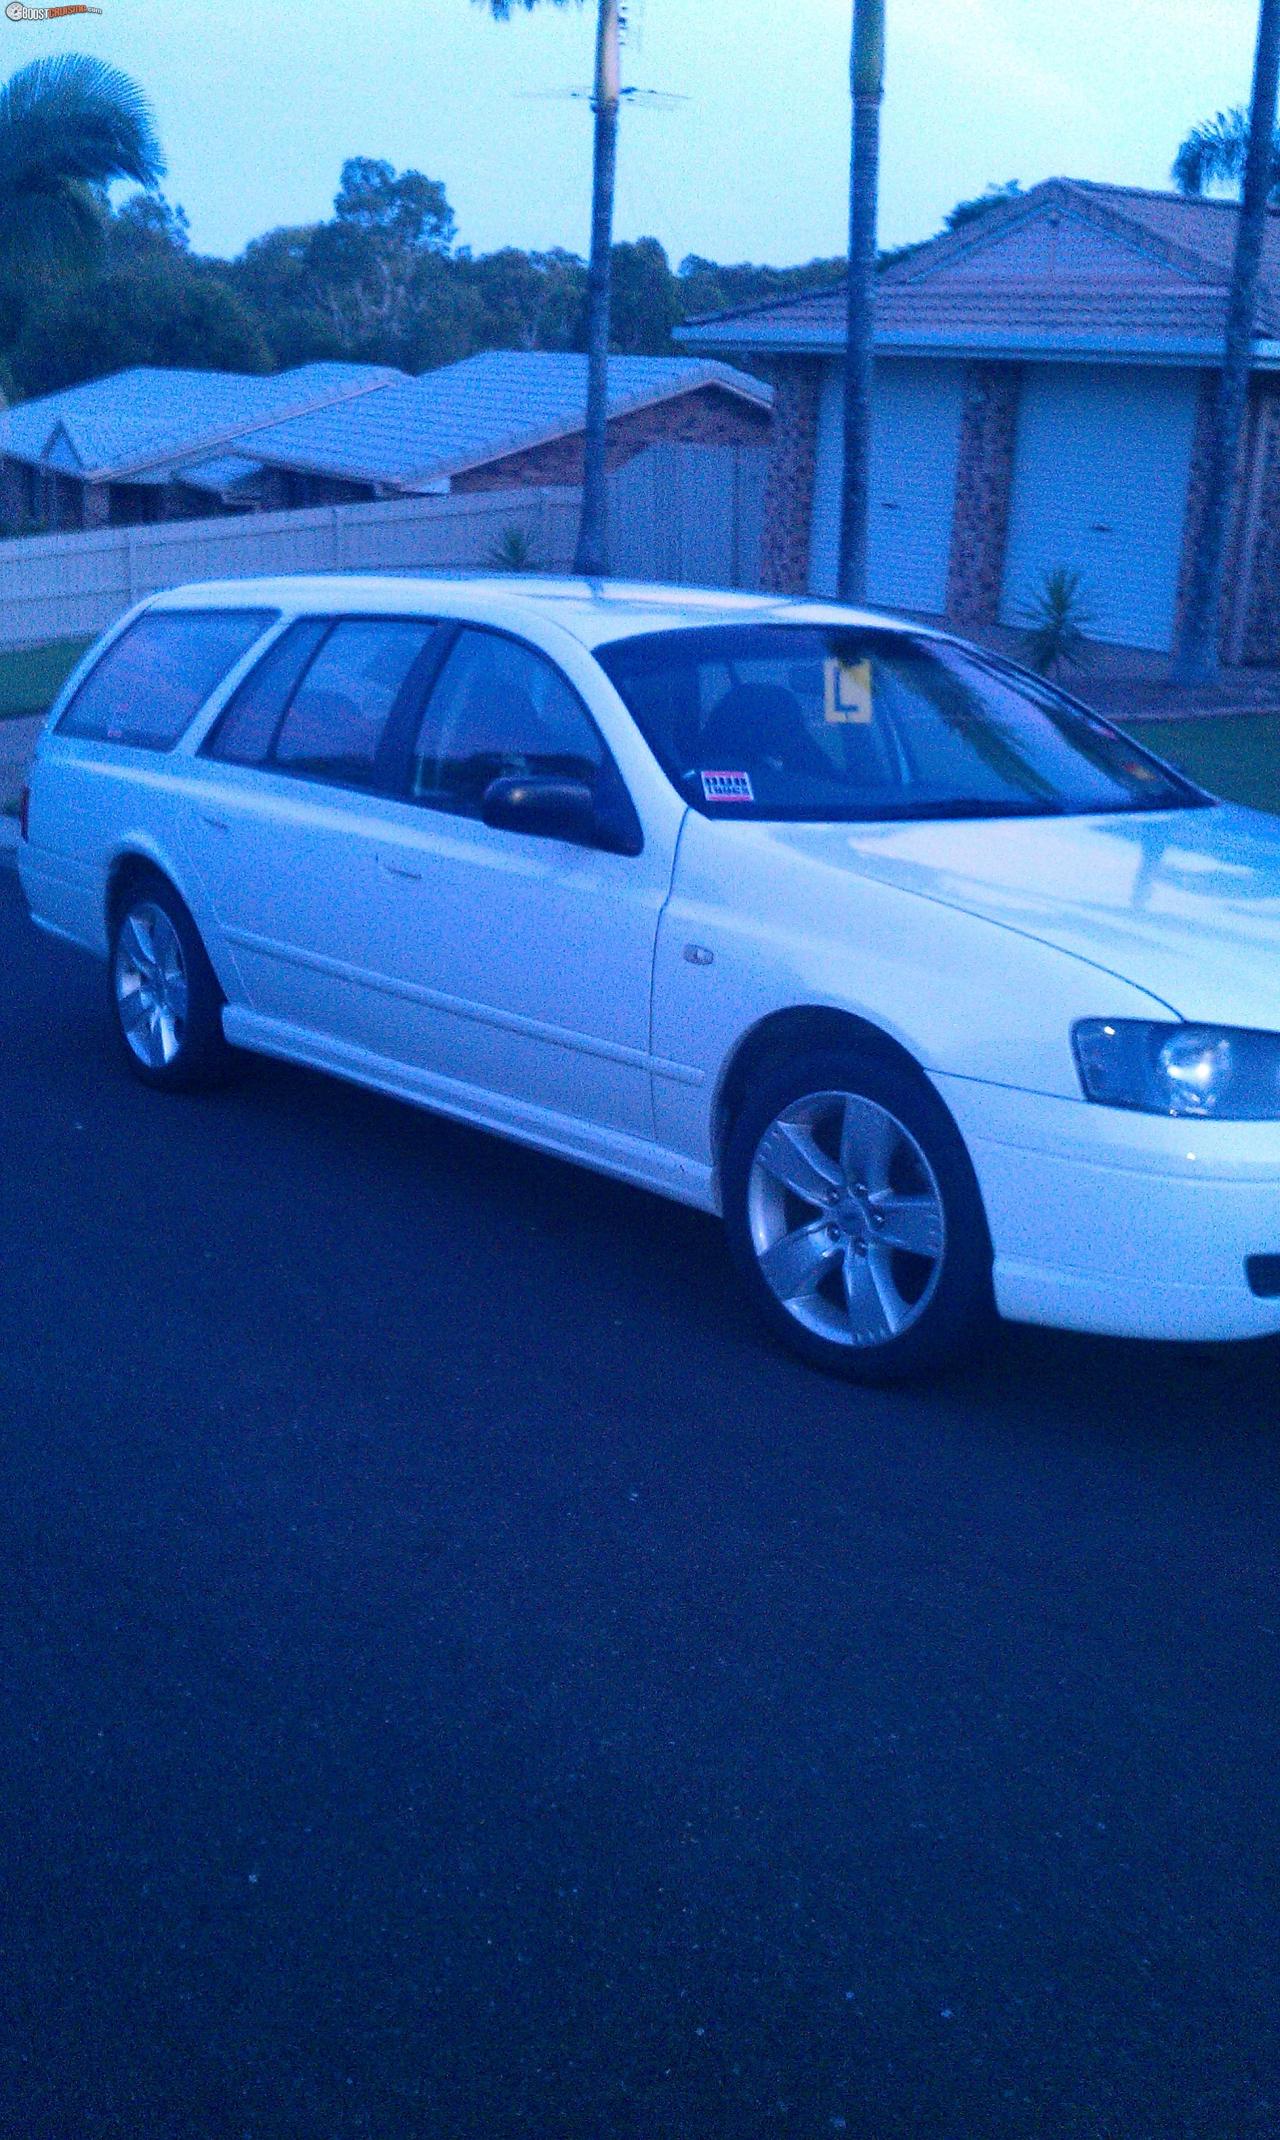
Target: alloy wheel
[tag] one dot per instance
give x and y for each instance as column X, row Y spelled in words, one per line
column 846, row 1219
column 151, row 986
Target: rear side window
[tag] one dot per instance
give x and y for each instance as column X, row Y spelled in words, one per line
column 152, row 681
column 339, row 712
column 246, row 729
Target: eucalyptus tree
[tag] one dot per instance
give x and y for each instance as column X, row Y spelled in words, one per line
column 866, row 81
column 1196, row 653
column 592, row 553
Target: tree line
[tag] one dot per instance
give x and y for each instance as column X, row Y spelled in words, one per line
column 380, row 281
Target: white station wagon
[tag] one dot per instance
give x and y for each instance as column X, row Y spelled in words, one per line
column 945, row 993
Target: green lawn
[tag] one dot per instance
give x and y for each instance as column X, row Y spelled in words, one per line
column 31, row 680
column 1235, row 756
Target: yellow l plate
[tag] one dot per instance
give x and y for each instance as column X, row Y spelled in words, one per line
column 847, row 691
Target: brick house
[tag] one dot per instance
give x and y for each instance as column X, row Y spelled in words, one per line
column 147, row 444
column 169, row 445
column 507, row 418
column 1044, row 388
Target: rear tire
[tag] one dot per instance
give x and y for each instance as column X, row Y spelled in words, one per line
column 854, row 1217
column 164, row 992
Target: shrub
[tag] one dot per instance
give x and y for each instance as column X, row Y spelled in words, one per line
column 514, row 551
column 1057, row 618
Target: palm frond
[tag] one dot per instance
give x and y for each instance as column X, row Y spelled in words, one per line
column 71, row 117
column 1214, row 154
column 503, row 10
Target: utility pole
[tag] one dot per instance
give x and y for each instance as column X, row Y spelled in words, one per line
column 1195, row 658
column 866, row 81
column 592, row 556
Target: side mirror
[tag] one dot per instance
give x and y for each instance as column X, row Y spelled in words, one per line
column 545, row 805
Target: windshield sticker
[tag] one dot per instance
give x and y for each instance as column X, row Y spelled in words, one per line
column 727, row 787
column 847, row 691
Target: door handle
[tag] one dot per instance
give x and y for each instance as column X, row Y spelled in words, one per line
column 397, row 869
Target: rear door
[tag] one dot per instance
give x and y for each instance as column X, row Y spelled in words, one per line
column 295, row 813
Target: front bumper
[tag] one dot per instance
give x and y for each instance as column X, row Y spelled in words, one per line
column 1127, row 1224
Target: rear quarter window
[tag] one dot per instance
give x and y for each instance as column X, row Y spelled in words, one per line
column 152, row 681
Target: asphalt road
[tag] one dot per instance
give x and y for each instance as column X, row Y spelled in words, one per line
column 457, row 1681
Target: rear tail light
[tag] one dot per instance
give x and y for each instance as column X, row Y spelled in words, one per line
column 24, row 814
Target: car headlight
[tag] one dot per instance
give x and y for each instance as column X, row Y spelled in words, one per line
column 1216, row 1073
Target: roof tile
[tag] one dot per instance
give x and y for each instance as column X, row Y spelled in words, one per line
column 920, row 304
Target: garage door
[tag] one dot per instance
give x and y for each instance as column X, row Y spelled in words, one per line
column 1100, row 485
column 915, row 446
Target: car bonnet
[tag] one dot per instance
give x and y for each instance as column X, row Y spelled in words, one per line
column 1183, row 903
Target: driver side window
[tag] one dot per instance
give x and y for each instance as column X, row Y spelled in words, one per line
column 499, row 710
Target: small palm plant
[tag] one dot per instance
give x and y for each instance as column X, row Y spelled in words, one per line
column 1057, row 621
column 514, row 551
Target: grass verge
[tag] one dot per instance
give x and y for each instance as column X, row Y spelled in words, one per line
column 31, row 677
column 1236, row 756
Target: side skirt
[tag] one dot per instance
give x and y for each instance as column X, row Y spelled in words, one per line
column 648, row 1166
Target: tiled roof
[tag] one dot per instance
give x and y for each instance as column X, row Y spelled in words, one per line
column 1204, row 228
column 1154, row 283
column 422, row 430
column 229, row 472
column 138, row 420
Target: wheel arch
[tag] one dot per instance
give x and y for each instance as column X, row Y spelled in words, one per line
column 137, row 864
column 128, row 869
column 791, row 1032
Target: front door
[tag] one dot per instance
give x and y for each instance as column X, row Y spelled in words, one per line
column 529, row 958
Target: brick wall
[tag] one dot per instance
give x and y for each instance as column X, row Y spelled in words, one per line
column 984, row 486
column 1251, row 607
column 788, row 503
column 708, row 416
column 1200, row 444
column 15, row 493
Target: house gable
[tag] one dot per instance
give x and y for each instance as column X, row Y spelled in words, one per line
column 1060, row 232
column 1056, row 246
column 59, row 452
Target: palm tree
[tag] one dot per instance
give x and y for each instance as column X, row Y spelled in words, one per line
column 68, row 125
column 866, row 77
column 1196, row 654
column 592, row 554
column 1213, row 154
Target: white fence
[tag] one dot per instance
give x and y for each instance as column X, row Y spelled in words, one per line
column 689, row 515
column 65, row 586
column 679, row 513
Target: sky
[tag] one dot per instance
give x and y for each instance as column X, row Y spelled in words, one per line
column 259, row 102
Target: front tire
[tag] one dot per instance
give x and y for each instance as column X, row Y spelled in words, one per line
column 167, row 1003
column 854, row 1217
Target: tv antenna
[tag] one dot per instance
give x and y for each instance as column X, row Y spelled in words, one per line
column 630, row 24
column 656, row 99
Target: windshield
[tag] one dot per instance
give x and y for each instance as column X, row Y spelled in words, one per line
column 797, row 721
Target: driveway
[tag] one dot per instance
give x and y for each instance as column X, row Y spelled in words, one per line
column 459, row 1682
